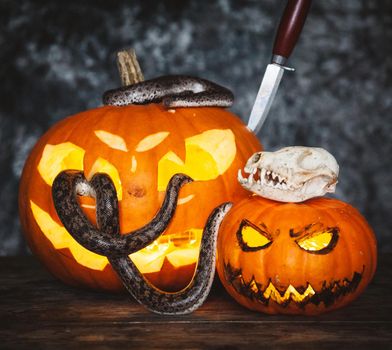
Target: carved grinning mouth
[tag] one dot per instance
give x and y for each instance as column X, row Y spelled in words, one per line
column 301, row 296
column 262, row 176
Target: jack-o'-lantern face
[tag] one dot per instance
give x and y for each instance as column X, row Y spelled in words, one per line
column 295, row 258
column 140, row 148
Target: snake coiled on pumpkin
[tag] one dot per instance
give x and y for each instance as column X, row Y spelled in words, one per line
column 173, row 91
column 107, row 240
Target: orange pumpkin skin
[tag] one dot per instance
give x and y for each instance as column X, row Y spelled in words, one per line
column 346, row 267
column 140, row 160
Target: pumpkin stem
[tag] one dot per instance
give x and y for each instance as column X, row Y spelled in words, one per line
column 128, row 67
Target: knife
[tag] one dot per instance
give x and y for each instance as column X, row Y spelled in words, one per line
column 289, row 29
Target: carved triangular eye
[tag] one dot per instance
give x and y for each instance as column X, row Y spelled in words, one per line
column 321, row 242
column 252, row 238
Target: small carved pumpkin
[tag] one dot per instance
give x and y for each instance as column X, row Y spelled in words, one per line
column 140, row 147
column 295, row 258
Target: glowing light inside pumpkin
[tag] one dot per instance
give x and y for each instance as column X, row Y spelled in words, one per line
column 102, row 165
column 60, row 238
column 112, row 140
column 56, row 158
column 185, row 199
column 252, row 237
column 208, row 155
column 316, row 241
column 151, row 141
column 179, row 249
column 290, row 293
column 220, row 144
column 87, row 206
column 134, row 164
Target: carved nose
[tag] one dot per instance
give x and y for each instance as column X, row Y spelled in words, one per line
column 137, row 191
column 284, row 268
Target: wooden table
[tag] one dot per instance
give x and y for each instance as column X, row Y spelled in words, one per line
column 38, row 312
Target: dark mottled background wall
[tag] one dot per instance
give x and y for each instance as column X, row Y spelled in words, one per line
column 57, row 57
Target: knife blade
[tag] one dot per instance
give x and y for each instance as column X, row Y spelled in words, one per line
column 289, row 29
column 265, row 96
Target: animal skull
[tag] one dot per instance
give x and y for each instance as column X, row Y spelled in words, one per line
column 292, row 174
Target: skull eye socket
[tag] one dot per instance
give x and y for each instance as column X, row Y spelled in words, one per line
column 252, row 238
column 319, row 242
column 256, row 157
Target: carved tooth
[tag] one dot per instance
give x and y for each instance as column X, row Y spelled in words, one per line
column 263, row 171
column 254, row 171
column 250, row 179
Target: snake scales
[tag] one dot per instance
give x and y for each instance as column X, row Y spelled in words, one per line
column 173, row 91
column 105, row 239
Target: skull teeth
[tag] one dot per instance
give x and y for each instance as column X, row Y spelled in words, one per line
column 262, row 173
column 275, row 179
column 263, row 176
column 241, row 179
column 292, row 174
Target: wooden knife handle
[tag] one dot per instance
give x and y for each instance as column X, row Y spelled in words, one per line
column 289, row 29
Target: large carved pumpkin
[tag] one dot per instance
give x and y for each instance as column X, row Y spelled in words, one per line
column 295, row 258
column 140, row 148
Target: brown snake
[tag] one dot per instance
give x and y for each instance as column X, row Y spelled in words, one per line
column 107, row 240
column 174, row 91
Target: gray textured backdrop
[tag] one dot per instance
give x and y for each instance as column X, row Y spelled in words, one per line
column 57, row 57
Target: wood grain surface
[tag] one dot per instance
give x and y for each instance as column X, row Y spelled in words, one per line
column 39, row 312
